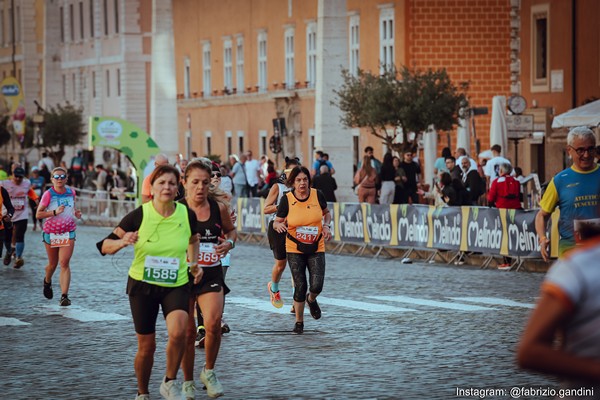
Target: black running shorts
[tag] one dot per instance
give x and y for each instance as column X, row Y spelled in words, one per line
column 277, row 242
column 145, row 299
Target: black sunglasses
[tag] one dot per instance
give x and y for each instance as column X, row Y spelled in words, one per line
column 216, row 175
column 62, row 176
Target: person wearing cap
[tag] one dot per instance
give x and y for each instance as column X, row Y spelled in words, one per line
column 19, row 189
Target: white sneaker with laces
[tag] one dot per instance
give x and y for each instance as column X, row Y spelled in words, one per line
column 188, row 390
column 170, row 390
column 142, row 397
column 212, row 384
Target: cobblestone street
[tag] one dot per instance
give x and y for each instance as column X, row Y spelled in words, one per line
column 388, row 331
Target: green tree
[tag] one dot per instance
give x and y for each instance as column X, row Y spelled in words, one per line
column 396, row 103
column 63, row 126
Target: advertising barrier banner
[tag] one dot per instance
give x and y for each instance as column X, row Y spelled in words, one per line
column 484, row 230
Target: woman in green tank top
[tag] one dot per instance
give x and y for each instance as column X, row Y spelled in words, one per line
column 163, row 234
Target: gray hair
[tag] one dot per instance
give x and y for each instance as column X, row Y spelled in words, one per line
column 580, row 132
column 161, row 159
column 506, row 168
column 324, row 169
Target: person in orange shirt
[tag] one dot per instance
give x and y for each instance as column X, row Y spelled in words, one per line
column 304, row 215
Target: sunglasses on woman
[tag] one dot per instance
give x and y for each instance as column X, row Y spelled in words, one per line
column 216, row 174
column 61, row 176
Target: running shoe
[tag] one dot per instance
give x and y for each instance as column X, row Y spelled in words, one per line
column 188, row 390
column 315, row 310
column 504, row 267
column 298, row 328
column 200, row 335
column 275, row 297
column 142, row 397
column 19, row 262
column 170, row 390
column 7, row 258
column 224, row 327
column 64, row 300
column 293, row 310
column 211, row 383
column 48, row 293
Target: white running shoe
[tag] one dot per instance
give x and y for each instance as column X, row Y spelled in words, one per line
column 142, row 397
column 170, row 390
column 211, row 383
column 188, row 390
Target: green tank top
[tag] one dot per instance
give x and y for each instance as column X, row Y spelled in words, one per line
column 160, row 252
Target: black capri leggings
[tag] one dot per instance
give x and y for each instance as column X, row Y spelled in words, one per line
column 315, row 263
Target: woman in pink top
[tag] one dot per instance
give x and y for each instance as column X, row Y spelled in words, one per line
column 57, row 207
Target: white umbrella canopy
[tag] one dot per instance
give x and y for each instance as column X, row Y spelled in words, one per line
column 463, row 138
column 429, row 152
column 498, row 130
column 586, row 115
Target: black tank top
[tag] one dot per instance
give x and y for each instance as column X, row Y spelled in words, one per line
column 211, row 229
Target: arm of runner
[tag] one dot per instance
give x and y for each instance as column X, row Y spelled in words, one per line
column 537, row 351
column 270, row 201
column 10, row 209
column 229, row 230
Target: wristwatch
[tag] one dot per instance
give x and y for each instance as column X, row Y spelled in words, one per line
column 232, row 243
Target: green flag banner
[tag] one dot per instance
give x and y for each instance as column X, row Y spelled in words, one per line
column 126, row 137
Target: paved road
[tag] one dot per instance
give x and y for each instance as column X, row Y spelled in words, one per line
column 388, row 331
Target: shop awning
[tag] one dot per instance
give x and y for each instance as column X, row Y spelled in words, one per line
column 586, row 115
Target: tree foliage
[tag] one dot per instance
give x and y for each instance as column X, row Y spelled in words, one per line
column 396, row 103
column 63, row 126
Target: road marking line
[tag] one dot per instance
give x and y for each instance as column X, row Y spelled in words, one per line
column 7, row 321
column 360, row 305
column 257, row 304
column 81, row 314
column 494, row 301
column 264, row 305
column 432, row 303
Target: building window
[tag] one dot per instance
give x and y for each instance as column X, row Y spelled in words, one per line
column 311, row 54
column 386, row 39
column 94, row 84
column 311, row 145
column 116, row 16
column 239, row 64
column 3, row 38
column 91, row 18
column 81, row 20
column 118, row 82
column 18, row 25
column 105, row 17
column 186, row 78
column 64, row 86
column 262, row 61
column 290, row 78
column 263, row 142
column 240, row 136
column 71, row 23
column 227, row 65
column 540, row 47
column 74, row 89
column 107, row 83
column 354, row 44
column 206, row 74
column 229, row 144
column 208, row 137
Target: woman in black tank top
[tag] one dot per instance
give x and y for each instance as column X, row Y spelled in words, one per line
column 213, row 221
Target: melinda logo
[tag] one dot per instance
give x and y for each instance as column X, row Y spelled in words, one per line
column 10, row 90
column 110, row 129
